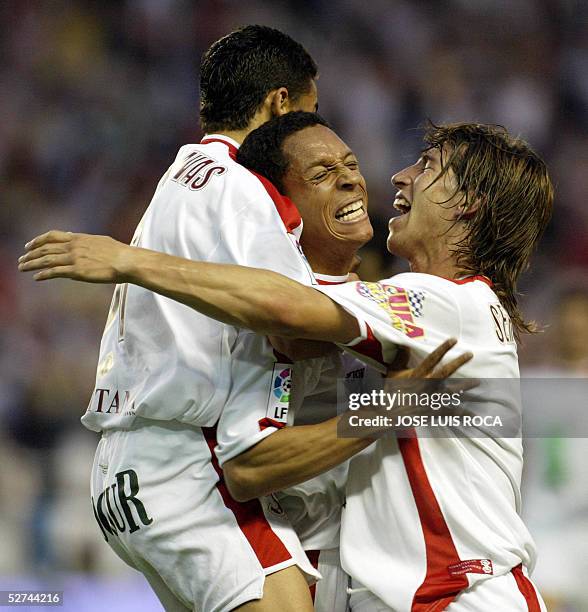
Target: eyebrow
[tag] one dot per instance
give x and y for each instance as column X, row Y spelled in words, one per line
column 327, row 162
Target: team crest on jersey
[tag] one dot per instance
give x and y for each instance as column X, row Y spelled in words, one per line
column 401, row 305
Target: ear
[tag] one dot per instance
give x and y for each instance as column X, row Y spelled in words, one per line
column 464, row 212
column 278, row 101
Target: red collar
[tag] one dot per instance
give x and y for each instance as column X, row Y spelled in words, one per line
column 225, row 140
column 471, row 279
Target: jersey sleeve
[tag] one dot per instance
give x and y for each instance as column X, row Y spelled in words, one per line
column 416, row 311
column 258, row 402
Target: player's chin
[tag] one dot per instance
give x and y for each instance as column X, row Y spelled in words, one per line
column 359, row 232
column 394, row 243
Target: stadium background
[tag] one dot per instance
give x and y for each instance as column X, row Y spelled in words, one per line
column 96, row 98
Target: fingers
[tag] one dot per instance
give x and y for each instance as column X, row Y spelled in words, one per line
column 52, row 248
column 45, row 262
column 51, row 236
column 461, row 385
column 426, row 367
column 450, row 368
column 57, row 272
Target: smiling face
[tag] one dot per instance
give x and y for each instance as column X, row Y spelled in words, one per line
column 425, row 229
column 324, row 181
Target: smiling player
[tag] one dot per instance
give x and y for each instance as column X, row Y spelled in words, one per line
column 430, row 523
column 306, row 160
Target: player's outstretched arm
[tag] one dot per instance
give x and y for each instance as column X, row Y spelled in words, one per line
column 295, row 454
column 263, row 301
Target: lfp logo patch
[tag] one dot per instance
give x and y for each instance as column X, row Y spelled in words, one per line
column 279, row 397
column 283, row 384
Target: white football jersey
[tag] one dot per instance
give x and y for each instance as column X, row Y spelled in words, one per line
column 158, row 358
column 314, row 507
column 427, row 517
column 303, row 393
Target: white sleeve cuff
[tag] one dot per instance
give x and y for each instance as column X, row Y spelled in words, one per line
column 232, row 449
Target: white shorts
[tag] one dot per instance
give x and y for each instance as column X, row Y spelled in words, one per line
column 330, row 593
column 512, row 592
column 162, row 505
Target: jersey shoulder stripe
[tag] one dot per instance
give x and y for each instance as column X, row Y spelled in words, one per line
column 286, row 208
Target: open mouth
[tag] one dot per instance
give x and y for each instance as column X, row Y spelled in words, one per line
column 351, row 212
column 402, row 205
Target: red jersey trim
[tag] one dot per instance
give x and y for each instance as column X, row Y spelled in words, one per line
column 286, row 208
column 439, row 586
column 370, row 346
column 320, row 281
column 267, row 422
column 232, row 148
column 527, row 589
column 471, row 279
column 266, row 545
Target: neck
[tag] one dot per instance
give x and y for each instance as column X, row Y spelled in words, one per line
column 237, row 135
column 331, row 262
column 438, row 257
column 445, row 267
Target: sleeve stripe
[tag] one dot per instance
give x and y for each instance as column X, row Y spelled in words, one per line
column 368, row 344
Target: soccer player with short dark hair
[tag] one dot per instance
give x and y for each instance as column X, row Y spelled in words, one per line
column 165, row 372
column 430, row 522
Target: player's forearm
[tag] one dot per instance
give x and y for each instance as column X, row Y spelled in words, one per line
column 288, row 457
column 218, row 291
column 260, row 300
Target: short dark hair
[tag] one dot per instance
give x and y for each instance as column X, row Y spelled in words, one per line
column 514, row 195
column 240, row 69
column 262, row 151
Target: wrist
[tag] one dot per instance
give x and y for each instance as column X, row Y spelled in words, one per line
column 125, row 263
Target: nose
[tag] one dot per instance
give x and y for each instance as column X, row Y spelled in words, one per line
column 348, row 178
column 402, row 178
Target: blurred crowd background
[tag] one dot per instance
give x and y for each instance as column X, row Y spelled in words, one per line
column 95, row 100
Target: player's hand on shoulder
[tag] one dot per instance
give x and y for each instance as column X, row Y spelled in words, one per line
column 84, row 257
column 428, row 378
column 429, row 367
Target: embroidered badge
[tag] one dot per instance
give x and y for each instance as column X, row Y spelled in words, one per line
column 471, row 566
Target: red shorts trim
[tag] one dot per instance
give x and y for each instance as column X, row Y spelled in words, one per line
column 266, row 545
column 526, row 588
